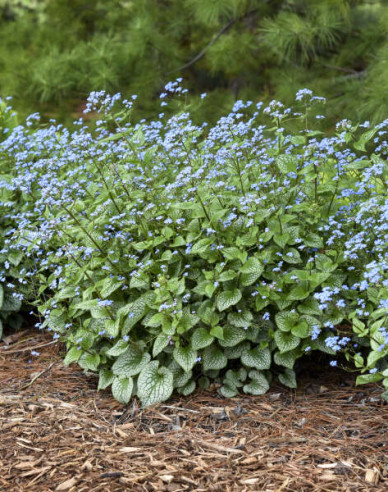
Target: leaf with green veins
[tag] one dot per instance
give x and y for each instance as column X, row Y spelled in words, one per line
column 105, row 379
column 187, row 321
column 292, row 256
column 285, row 359
column 234, row 253
column 228, row 390
column 259, row 384
column 282, row 239
column 217, row 332
column 130, row 362
column 185, row 357
column 286, row 341
column 160, row 344
column 89, row 361
column 241, row 319
column 122, row 389
column 287, row 163
column 180, row 376
column 286, row 320
column 237, row 351
column 251, row 271
column 232, row 336
column 301, row 330
column 112, row 327
column 187, row 389
column 213, row 358
column 119, row 348
column 226, row 276
column 154, row 384
column 201, row 338
column 72, row 355
column 257, row 358
column 288, row 378
column 228, row 298
column 309, row 306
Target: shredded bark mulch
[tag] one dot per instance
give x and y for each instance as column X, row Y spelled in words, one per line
column 58, row 433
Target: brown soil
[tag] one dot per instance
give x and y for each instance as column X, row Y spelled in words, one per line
column 58, row 433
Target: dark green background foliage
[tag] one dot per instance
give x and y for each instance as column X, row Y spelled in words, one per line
column 53, row 53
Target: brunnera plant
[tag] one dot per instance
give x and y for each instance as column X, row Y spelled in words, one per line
column 171, row 255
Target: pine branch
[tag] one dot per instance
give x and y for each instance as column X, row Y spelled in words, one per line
column 202, row 53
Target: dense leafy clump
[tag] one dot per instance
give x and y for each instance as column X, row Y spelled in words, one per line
column 170, row 255
column 10, row 300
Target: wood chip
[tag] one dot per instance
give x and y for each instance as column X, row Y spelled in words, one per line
column 68, row 484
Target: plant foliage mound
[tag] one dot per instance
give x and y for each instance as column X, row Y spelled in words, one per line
column 170, row 255
column 10, row 299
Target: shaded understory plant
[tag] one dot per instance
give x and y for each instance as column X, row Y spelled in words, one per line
column 10, row 293
column 170, row 255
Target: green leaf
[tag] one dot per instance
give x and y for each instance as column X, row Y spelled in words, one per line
column 287, row 163
column 109, row 286
column 180, row 376
column 72, row 355
column 89, row 361
column 232, row 336
column 228, row 390
column 187, row 321
column 119, row 348
column 112, row 327
column 213, row 358
column 201, row 246
column 237, row 351
column 155, row 384
column 217, row 332
column 234, row 253
column 288, row 378
column 1, row 296
column 228, row 298
column 285, row 359
column 292, row 256
column 185, row 357
column 251, row 271
column 286, row 320
column 105, row 379
column 131, row 362
column 86, row 305
column 133, row 313
column 282, row 239
column 122, row 389
column 258, row 385
column 160, row 343
column 301, row 330
column 187, row 389
column 240, row 320
column 201, row 338
column 286, row 341
column 364, row 139
column 257, row 358
column 369, row 378
column 309, row 306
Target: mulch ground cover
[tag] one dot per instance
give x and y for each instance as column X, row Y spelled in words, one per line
column 58, row 433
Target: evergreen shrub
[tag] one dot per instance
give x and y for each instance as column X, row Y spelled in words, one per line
column 170, row 255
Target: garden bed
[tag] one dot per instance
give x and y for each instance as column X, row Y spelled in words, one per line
column 58, row 433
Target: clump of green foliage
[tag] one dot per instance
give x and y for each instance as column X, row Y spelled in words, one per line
column 170, row 255
column 53, row 53
column 10, row 294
